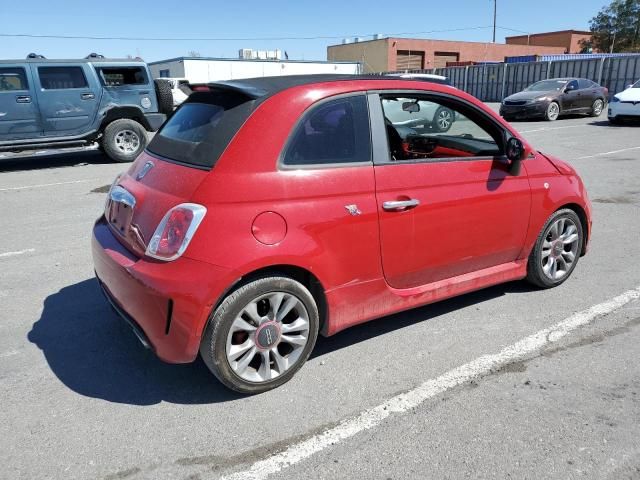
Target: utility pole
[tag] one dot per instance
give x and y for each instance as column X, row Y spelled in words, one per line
column 495, row 14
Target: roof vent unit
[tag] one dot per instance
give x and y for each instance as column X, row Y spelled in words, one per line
column 377, row 36
column 246, row 54
column 356, row 39
column 346, row 41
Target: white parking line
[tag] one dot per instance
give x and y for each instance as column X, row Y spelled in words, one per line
column 607, row 153
column 373, row 417
column 545, row 129
column 19, row 252
column 47, row 185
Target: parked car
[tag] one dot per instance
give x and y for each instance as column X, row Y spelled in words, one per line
column 50, row 104
column 266, row 211
column 551, row 98
column 625, row 105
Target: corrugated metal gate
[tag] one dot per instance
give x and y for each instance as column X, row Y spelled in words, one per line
column 493, row 82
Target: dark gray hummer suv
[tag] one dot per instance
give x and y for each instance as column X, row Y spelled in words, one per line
column 47, row 104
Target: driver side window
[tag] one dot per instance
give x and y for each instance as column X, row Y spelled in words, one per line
column 421, row 129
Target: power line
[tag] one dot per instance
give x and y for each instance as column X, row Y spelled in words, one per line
column 244, row 39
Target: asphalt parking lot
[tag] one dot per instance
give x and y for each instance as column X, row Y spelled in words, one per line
column 508, row 382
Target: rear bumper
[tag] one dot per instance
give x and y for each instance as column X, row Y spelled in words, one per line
column 166, row 303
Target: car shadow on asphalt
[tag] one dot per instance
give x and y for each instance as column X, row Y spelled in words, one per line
column 95, row 354
column 50, row 160
column 607, row 123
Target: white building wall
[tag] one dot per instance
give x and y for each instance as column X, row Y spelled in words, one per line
column 176, row 69
column 203, row 71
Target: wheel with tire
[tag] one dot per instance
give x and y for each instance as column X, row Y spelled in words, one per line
column 164, row 95
column 597, row 107
column 261, row 334
column 123, row 140
column 552, row 112
column 557, row 250
column 443, row 119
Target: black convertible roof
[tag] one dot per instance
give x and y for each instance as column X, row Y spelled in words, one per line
column 267, row 86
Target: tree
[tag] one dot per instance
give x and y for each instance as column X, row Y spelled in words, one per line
column 193, row 53
column 616, row 28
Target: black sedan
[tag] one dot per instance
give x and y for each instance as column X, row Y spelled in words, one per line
column 551, row 98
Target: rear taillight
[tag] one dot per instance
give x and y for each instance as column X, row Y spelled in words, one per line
column 175, row 231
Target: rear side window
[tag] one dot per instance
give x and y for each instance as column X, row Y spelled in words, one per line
column 58, row 78
column 584, row 83
column 13, row 79
column 116, row 76
column 333, row 132
column 200, row 130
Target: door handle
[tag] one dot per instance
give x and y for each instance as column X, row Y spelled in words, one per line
column 87, row 96
column 23, row 99
column 400, row 205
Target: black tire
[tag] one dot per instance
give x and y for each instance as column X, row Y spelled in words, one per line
column 214, row 340
column 164, row 95
column 119, row 130
column 443, row 119
column 535, row 271
column 597, row 107
column 549, row 114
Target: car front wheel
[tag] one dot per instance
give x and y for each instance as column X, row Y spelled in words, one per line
column 261, row 334
column 552, row 112
column 556, row 251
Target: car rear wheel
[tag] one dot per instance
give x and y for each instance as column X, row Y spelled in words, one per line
column 123, row 140
column 261, row 334
column 552, row 112
column 443, row 119
column 597, row 107
column 556, row 251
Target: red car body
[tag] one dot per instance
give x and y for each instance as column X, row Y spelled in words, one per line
column 475, row 227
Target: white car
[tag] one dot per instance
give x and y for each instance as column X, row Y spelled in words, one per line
column 625, row 104
column 179, row 94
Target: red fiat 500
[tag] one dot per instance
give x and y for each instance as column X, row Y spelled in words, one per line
column 266, row 211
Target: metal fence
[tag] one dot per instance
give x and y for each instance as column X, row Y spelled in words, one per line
column 493, row 82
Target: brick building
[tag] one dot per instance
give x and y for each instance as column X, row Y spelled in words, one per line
column 391, row 54
column 570, row 40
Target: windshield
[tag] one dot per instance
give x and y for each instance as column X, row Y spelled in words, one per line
column 546, row 86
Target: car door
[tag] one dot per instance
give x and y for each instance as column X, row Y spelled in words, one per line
column 570, row 97
column 588, row 93
column 68, row 96
column 447, row 202
column 19, row 115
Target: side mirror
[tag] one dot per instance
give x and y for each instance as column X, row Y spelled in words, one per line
column 411, row 107
column 515, row 153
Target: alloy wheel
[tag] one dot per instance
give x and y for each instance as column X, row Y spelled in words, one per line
column 560, row 248
column 444, row 119
column 598, row 105
column 553, row 111
column 268, row 337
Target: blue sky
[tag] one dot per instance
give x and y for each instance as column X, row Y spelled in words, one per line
column 259, row 19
